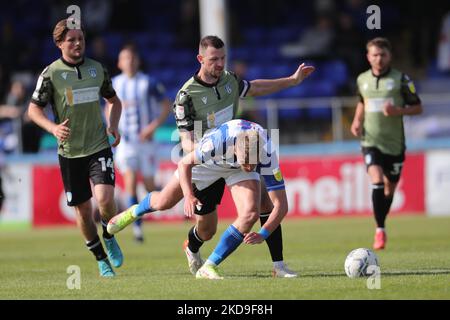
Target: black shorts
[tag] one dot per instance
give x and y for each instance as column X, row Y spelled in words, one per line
column 391, row 165
column 210, row 197
column 78, row 172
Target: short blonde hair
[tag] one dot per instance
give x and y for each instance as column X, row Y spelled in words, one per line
column 247, row 147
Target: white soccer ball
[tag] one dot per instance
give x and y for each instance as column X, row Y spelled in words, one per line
column 358, row 262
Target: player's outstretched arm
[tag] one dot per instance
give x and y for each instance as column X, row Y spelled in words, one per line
column 261, row 87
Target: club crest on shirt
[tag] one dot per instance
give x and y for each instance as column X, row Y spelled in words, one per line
column 64, row 75
column 390, row 83
column 205, row 100
column 228, row 88
column 92, row 72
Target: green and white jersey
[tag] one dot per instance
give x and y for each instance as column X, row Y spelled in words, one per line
column 74, row 92
column 212, row 104
column 385, row 133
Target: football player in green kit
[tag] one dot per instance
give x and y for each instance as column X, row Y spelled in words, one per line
column 386, row 95
column 207, row 100
column 73, row 85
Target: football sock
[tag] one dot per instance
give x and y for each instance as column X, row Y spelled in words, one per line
column 144, row 206
column 195, row 242
column 105, row 230
column 388, row 203
column 378, row 202
column 230, row 240
column 278, row 264
column 132, row 200
column 96, row 247
column 275, row 240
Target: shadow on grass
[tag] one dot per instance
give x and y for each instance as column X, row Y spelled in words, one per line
column 431, row 272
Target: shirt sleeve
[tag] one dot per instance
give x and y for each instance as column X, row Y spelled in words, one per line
column 184, row 111
column 269, row 168
column 243, row 85
column 408, row 91
column 107, row 90
column 43, row 93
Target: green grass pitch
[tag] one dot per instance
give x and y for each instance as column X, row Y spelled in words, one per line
column 415, row 265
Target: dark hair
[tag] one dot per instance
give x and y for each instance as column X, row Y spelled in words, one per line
column 380, row 42
column 60, row 31
column 211, row 41
column 131, row 46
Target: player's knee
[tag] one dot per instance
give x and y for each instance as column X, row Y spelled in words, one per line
column 250, row 218
column 207, row 234
column 104, row 200
column 161, row 204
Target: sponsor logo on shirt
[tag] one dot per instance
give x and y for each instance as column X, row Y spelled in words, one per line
column 220, row 117
column 80, row 96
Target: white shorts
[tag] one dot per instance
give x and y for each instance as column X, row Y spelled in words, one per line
column 205, row 175
column 138, row 157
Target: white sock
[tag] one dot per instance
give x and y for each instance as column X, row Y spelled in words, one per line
column 380, row 229
column 209, row 262
column 278, row 264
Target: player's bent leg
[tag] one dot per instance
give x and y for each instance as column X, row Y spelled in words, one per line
column 246, row 196
column 104, row 195
column 203, row 231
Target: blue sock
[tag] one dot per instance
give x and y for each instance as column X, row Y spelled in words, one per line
column 230, row 240
column 144, row 206
column 132, row 200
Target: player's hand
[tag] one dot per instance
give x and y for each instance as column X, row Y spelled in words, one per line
column 190, row 203
column 302, row 73
column 116, row 134
column 390, row 110
column 253, row 238
column 62, row 131
column 356, row 128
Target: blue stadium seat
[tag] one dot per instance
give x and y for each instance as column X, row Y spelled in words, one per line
column 319, row 112
column 335, row 71
column 239, row 53
column 256, row 35
column 434, row 72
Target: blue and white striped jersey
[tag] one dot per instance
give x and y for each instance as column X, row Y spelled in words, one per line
column 217, row 146
column 141, row 97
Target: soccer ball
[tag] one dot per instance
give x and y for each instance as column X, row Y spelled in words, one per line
column 358, row 261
